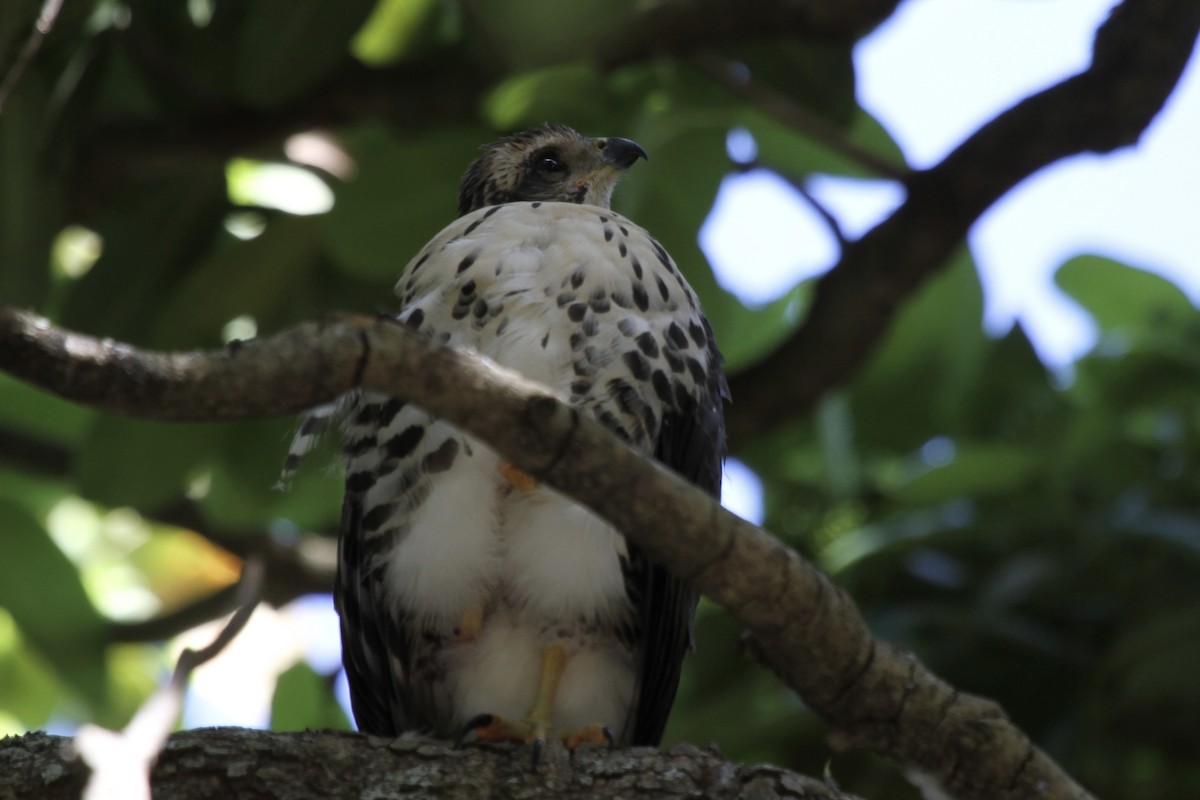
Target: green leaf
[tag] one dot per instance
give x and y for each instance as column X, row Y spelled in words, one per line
column 262, row 278
column 536, row 32
column 910, row 391
column 153, row 231
column 141, row 464
column 285, row 48
column 1123, row 298
column 399, row 30
column 304, row 701
column 29, row 196
column 40, row 588
column 40, row 414
column 404, row 192
column 977, row 471
column 573, row 94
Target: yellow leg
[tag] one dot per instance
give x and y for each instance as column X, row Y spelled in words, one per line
column 518, row 477
column 535, row 728
column 554, row 661
column 469, row 625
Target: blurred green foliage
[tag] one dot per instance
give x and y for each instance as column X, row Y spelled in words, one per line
column 1032, row 537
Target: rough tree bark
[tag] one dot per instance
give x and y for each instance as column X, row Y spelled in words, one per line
column 234, row 762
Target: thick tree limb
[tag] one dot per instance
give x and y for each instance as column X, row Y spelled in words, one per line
column 232, row 762
column 1139, row 54
column 874, row 694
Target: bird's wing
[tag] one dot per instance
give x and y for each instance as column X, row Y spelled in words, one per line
column 691, row 441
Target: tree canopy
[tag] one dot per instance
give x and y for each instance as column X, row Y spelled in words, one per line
column 1032, row 537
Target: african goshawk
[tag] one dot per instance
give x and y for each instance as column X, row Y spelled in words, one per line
column 471, row 597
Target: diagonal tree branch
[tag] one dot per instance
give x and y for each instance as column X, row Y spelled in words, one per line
column 1139, row 54
column 874, row 694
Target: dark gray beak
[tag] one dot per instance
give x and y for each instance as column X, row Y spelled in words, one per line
column 622, row 153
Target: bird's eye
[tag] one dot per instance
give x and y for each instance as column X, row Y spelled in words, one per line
column 549, row 164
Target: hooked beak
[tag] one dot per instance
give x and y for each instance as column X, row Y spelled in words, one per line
column 620, row 153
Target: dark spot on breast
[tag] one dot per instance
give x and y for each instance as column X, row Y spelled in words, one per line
column 576, row 340
column 625, row 395
column 442, row 458
column 403, row 443
column 545, row 340
column 538, row 204
column 677, row 336
column 627, row 326
column 662, row 385
column 420, row 261
column 621, row 299
column 674, row 360
column 577, row 277
column 480, row 309
column 467, row 289
column 622, row 249
column 608, row 234
column 414, row 319
column 357, row 482
column 491, row 211
column 459, row 312
column 637, row 267
column 662, row 288
column 473, row 226
column 639, row 367
column 576, row 311
column 641, row 298
column 389, row 411
column 646, row 343
column 603, row 219
column 590, row 326
column 624, row 230
column 662, row 255
column 696, row 331
column 599, row 301
column 580, row 387
column 466, row 263
column 564, row 298
column 582, row 369
column 699, row 375
column 683, row 400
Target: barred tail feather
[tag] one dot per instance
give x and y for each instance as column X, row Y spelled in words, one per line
column 313, row 426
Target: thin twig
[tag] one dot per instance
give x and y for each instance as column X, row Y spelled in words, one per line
column 795, row 116
column 41, row 29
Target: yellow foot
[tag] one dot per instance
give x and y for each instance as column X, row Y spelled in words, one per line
column 518, row 477
column 469, row 625
column 534, row 732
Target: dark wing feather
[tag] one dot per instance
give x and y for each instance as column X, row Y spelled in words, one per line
column 364, row 626
column 693, row 444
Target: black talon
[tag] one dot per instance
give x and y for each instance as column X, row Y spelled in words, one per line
column 608, row 737
column 474, row 724
column 538, row 744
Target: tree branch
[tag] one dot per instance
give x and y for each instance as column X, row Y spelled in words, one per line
column 232, row 762
column 875, row 694
column 1139, row 54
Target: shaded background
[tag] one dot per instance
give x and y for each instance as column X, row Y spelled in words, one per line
column 183, row 174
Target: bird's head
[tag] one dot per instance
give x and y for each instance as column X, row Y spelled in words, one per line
column 552, row 162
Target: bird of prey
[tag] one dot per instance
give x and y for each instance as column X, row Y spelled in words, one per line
column 473, row 599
